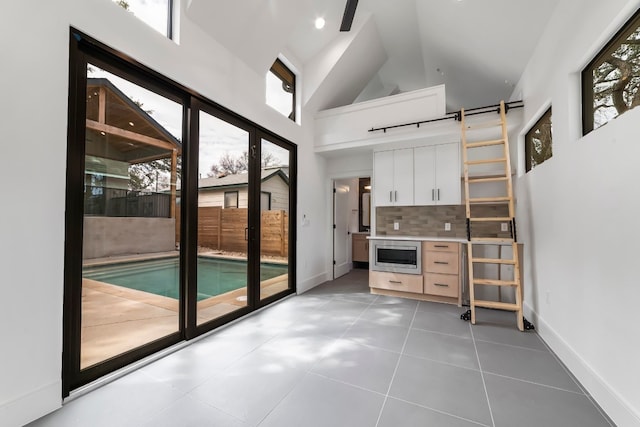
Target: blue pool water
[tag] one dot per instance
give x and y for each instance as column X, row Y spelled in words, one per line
column 161, row 277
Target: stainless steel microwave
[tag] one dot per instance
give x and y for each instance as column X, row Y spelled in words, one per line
column 397, row 256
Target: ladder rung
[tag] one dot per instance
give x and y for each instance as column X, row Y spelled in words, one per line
column 484, row 161
column 493, row 261
column 491, row 240
column 484, row 143
column 496, row 304
column 490, row 199
column 492, row 219
column 494, row 282
column 492, row 179
column 484, row 125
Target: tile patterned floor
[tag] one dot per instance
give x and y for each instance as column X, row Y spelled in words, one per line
column 339, row 356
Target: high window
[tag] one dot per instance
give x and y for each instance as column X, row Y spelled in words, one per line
column 281, row 89
column 538, row 142
column 155, row 13
column 610, row 82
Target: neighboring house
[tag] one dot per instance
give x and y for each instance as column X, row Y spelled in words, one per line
column 230, row 191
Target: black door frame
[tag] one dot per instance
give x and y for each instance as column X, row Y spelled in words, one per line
column 84, row 50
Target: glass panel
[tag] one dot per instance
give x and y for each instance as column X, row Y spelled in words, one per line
column 222, row 233
column 130, row 280
column 274, row 227
column 154, row 13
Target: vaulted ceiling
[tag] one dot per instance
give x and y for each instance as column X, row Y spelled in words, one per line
column 477, row 48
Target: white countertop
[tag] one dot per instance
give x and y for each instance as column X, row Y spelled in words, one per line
column 420, row 238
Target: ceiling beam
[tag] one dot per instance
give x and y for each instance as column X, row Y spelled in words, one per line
column 144, row 139
column 349, row 13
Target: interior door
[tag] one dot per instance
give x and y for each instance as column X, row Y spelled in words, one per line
column 340, row 229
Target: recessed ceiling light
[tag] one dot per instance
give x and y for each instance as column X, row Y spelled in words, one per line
column 131, row 124
column 320, row 23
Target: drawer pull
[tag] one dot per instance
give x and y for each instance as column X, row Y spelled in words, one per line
column 440, row 246
column 441, row 262
column 441, row 285
column 395, row 282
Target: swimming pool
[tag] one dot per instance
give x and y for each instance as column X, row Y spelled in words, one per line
column 216, row 276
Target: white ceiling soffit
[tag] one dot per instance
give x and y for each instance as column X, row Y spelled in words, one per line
column 337, row 74
column 254, row 30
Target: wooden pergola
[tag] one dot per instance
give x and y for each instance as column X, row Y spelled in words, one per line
column 118, row 129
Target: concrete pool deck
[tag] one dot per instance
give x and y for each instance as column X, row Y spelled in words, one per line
column 116, row 319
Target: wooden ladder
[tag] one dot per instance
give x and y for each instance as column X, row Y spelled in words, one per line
column 486, row 227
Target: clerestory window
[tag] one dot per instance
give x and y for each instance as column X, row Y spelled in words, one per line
column 158, row 14
column 538, row 142
column 610, row 82
column 281, row 89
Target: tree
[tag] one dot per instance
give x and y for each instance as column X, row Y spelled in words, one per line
column 123, row 4
column 152, row 176
column 231, row 165
column 616, row 81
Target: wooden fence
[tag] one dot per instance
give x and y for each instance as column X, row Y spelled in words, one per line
column 225, row 230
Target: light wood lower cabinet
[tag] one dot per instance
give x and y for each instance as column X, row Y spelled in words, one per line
column 441, row 270
column 360, row 248
column 396, row 281
column 439, row 281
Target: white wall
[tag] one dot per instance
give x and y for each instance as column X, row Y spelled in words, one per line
column 34, row 43
column 578, row 212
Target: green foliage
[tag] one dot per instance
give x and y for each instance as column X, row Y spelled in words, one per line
column 230, row 165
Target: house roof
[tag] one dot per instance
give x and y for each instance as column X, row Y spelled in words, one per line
column 240, row 180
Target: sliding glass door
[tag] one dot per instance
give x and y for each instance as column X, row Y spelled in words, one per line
column 179, row 214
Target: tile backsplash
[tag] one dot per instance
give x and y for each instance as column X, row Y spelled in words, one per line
column 430, row 220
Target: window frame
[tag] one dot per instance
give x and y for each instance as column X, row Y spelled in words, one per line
column 237, row 194
column 547, row 115
column 170, row 12
column 630, row 26
column 285, row 75
column 262, row 193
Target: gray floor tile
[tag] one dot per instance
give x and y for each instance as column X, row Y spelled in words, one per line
column 397, row 413
column 345, row 309
column 386, row 337
column 445, row 388
column 294, row 350
column 517, row 403
column 321, row 402
column 323, row 323
column 506, row 333
column 446, row 321
column 189, row 412
column 250, row 389
column 356, row 364
column 394, row 301
column 442, row 348
column 128, row 401
column 531, row 365
column 388, row 315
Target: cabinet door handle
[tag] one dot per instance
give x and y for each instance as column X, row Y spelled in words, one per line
column 440, row 262
column 391, row 196
column 433, row 194
column 396, row 194
column 440, row 246
column 438, row 194
column 395, row 282
column 442, row 285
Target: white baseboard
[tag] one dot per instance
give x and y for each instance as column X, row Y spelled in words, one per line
column 617, row 407
column 304, row 286
column 31, row 406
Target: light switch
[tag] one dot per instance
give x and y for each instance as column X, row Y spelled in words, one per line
column 396, row 225
column 447, row 226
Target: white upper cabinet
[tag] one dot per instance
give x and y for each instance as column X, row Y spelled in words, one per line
column 437, row 175
column 393, row 177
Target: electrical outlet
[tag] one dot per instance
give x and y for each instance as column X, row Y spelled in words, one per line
column 396, row 225
column 447, row 226
column 504, row 226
